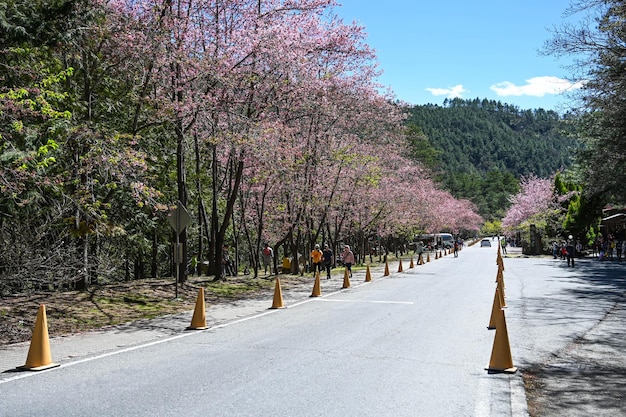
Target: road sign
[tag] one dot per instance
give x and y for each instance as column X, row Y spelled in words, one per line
column 179, row 218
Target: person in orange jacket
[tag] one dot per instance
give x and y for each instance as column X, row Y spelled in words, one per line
column 316, row 259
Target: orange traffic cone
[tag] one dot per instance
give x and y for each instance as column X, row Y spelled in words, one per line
column 411, row 265
column 368, row 274
column 317, row 288
column 497, row 306
column 278, row 296
column 500, row 286
column 400, row 266
column 500, row 263
column 500, row 278
column 198, row 321
column 501, row 359
column 386, row 269
column 436, row 257
column 501, row 292
column 346, row 279
column 428, row 257
column 499, row 274
column 39, row 356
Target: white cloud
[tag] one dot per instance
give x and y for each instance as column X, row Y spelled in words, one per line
column 536, row 87
column 450, row 92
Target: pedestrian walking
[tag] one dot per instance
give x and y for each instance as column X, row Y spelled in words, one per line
column 612, row 247
column 316, row 259
column 328, row 260
column 347, row 257
column 419, row 249
column 570, row 252
column 267, row 255
column 194, row 265
column 228, row 268
column 602, row 246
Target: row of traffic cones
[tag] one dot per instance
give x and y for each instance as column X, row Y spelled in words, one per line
column 39, row 354
column 501, row 358
column 317, row 287
column 40, row 357
column 317, row 291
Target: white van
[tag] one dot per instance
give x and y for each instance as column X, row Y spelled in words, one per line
column 437, row 240
column 444, row 239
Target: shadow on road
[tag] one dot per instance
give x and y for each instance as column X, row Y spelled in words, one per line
column 587, row 377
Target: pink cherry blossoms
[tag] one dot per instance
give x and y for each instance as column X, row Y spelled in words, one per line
column 535, row 202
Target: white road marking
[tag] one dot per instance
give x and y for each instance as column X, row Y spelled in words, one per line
column 27, row 374
column 366, row 301
column 482, row 406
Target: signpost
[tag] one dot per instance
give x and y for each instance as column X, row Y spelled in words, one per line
column 178, row 218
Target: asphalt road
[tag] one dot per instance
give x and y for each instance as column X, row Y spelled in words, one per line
column 412, row 344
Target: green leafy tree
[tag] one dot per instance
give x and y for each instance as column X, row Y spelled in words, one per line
column 583, row 211
column 598, row 46
column 423, row 151
column 491, row 228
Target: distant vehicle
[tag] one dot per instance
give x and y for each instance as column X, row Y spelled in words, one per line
column 443, row 240
column 485, row 242
column 436, row 240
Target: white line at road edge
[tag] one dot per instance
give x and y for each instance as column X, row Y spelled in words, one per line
column 519, row 403
column 481, row 405
column 28, row 374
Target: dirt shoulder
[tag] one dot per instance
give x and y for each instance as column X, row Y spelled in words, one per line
column 100, row 306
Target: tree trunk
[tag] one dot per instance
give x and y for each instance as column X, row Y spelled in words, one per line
column 215, row 246
column 155, row 253
column 182, row 197
column 198, row 265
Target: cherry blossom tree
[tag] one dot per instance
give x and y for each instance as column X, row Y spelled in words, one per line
column 535, row 203
column 263, row 117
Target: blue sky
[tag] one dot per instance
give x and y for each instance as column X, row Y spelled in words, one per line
column 431, row 50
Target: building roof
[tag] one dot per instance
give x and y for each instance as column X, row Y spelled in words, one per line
column 614, row 218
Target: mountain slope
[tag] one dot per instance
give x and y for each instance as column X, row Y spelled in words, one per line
column 483, row 146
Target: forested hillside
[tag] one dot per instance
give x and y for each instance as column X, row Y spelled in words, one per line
column 480, row 148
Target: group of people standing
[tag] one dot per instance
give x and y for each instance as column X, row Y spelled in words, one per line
column 324, row 259
column 321, row 260
column 567, row 249
column 609, row 248
column 602, row 248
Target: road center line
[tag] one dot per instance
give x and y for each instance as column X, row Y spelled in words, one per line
column 365, row 301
